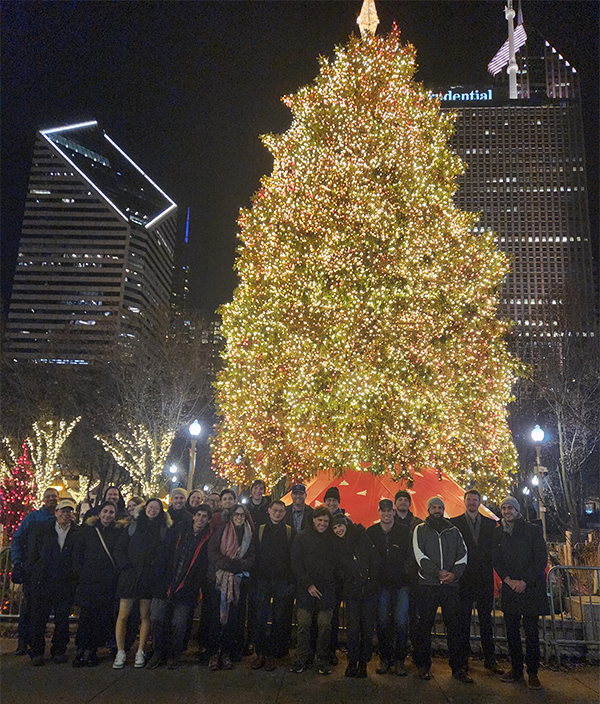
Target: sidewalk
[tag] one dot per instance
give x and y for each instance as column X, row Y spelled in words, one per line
column 191, row 683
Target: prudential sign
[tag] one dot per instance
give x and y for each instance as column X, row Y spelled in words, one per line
column 456, row 95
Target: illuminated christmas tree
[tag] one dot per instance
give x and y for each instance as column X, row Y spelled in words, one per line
column 17, row 493
column 364, row 327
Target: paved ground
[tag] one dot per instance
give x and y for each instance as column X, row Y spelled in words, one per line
column 23, row 684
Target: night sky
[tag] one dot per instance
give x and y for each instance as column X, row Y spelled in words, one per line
column 186, row 88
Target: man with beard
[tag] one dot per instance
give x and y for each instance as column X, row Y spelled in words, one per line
column 441, row 555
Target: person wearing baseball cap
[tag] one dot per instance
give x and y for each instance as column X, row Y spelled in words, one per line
column 299, row 515
column 520, row 559
column 392, row 540
column 53, row 580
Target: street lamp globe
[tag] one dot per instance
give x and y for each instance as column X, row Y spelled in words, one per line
column 537, row 434
column 195, row 429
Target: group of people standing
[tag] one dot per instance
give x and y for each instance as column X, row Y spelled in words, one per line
column 143, row 566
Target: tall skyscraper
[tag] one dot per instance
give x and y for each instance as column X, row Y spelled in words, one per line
column 526, row 175
column 96, row 254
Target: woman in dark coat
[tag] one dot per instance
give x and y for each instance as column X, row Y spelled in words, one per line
column 230, row 558
column 97, row 574
column 135, row 552
column 359, row 565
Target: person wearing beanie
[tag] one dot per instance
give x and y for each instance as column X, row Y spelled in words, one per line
column 392, row 540
column 332, row 500
column 520, row 559
column 441, row 555
column 477, row 583
column 177, row 510
column 404, row 515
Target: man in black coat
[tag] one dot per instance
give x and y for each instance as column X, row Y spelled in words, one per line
column 299, row 515
column 520, row 559
column 53, row 581
column 181, row 569
column 315, row 566
column 273, row 580
column 392, row 540
column 477, row 582
column 258, row 504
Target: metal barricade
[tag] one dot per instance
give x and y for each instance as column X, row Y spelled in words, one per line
column 574, row 611
column 10, row 594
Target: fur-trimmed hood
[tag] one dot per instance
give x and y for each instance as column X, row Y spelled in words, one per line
column 168, row 521
column 92, row 522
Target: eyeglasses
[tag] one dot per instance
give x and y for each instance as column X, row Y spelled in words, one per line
column 240, row 513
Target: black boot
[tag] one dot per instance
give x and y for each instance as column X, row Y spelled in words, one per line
column 92, row 659
column 79, row 658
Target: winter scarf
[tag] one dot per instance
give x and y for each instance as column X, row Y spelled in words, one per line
column 227, row 582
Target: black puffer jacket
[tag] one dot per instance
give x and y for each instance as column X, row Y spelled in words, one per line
column 395, row 553
column 135, row 554
column 522, row 555
column 315, row 560
column 96, row 573
column 359, row 564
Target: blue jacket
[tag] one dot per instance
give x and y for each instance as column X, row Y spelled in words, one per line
column 23, row 534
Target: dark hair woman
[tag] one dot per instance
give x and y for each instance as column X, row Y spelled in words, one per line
column 230, row 558
column 359, row 561
column 135, row 553
column 97, row 574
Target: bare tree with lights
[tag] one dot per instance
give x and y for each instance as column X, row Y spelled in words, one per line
column 364, row 326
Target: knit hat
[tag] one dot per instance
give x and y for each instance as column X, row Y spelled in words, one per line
column 400, row 494
column 435, row 500
column 338, row 519
column 179, row 492
column 385, row 503
column 332, row 493
column 512, row 502
column 298, row 489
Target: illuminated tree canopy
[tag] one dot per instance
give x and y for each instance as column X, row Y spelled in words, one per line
column 364, row 326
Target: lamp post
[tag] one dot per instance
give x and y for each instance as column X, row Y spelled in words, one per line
column 194, row 429
column 537, row 435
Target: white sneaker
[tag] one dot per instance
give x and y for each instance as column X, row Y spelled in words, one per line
column 140, row 659
column 119, row 660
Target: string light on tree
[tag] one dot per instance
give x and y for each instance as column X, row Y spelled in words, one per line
column 142, row 454
column 364, row 326
column 17, row 492
column 45, row 445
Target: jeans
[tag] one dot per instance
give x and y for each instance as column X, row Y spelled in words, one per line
column 428, row 600
column 485, row 604
column 304, row 619
column 225, row 637
column 392, row 623
column 360, row 623
column 276, row 643
column 532, row 642
column 170, row 623
column 45, row 599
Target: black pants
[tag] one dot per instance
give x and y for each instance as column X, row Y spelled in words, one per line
column 428, row 600
column 484, row 598
column 170, row 624
column 360, row 624
column 532, row 642
column 95, row 625
column 45, row 599
column 24, row 630
column 274, row 643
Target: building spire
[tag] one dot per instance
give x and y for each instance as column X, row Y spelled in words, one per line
column 512, row 59
column 368, row 20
